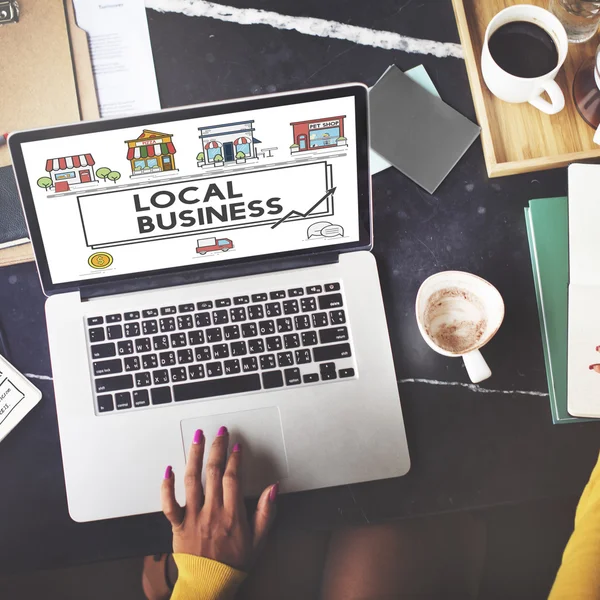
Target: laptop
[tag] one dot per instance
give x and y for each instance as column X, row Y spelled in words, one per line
column 208, row 266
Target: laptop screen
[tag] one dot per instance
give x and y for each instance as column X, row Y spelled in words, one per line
column 197, row 190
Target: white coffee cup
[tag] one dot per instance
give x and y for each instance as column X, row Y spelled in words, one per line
column 511, row 88
column 458, row 313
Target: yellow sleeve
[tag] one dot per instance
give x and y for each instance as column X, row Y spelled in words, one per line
column 579, row 574
column 205, row 579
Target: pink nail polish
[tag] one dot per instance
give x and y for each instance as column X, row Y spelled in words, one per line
column 222, row 431
column 273, row 493
column 198, row 436
column 236, row 447
column 168, row 472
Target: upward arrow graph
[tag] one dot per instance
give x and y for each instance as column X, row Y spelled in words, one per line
column 295, row 213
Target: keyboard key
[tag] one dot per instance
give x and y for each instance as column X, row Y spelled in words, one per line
column 295, row 292
column 113, row 332
column 123, row 400
column 220, row 387
column 273, row 309
column 161, row 376
column 309, row 338
column 104, row 350
column 113, row 318
column 302, row 322
column 95, row 321
column 214, row 369
column 292, row 377
column 249, row 364
column 302, row 356
column 335, row 334
column 284, row 325
column 143, row 345
column 320, row 319
column 249, row 330
column 330, row 301
column 202, row 319
column 196, row 371
column 168, row 310
column 214, row 335
column 105, row 403
column 256, row 312
column 185, row 308
column 285, row 359
column 332, row 287
column 220, row 317
column 220, row 351
column 185, row 322
column 149, row 361
column 196, row 338
column 272, row 379
column 204, row 305
column 149, row 327
column 132, row 329
column 332, row 352
column 108, row 367
column 97, row 334
column 256, row 346
column 237, row 314
column 161, row 395
column 132, row 316
column 125, row 348
column 238, row 349
column 141, row 398
column 310, row 378
column 110, row 384
column 328, row 371
column 277, row 295
column 232, row 367
column 266, row 327
column 223, row 302
column 241, row 300
column 274, row 343
column 178, row 340
column 291, row 307
column 259, row 297
column 346, row 373
column 231, row 332
column 314, row 289
column 291, row 341
column 132, row 363
column 151, row 312
column 267, row 361
column 167, row 324
column 308, row 304
column 178, row 374
column 337, row 317
column 142, row 379
column 202, row 353
column 185, row 356
column 160, row 342
column 167, row 359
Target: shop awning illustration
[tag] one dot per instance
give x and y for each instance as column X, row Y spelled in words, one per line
column 150, row 150
column 69, row 162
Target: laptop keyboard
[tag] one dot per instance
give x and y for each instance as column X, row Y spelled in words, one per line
column 201, row 350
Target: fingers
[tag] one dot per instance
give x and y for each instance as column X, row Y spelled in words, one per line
column 170, row 506
column 215, row 466
column 194, row 495
column 233, row 498
column 264, row 515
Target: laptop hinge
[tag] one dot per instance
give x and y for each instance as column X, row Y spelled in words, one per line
column 219, row 271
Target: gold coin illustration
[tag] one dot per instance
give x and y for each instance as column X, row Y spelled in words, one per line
column 100, row 260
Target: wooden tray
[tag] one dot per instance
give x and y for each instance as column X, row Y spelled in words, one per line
column 16, row 254
column 518, row 138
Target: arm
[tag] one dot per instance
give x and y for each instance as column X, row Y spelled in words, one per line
column 213, row 543
column 579, row 573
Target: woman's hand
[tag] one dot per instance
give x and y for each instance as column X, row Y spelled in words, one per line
column 215, row 524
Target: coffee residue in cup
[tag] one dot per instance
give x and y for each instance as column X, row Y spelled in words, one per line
column 455, row 319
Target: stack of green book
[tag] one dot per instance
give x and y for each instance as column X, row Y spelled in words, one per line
column 547, row 222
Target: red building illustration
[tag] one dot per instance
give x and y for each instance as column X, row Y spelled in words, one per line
column 68, row 171
column 319, row 133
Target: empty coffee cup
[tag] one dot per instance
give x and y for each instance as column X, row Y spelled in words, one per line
column 458, row 313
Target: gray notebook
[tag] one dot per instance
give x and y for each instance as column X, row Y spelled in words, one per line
column 418, row 133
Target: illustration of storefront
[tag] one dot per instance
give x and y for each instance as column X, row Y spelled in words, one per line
column 152, row 152
column 227, row 143
column 69, row 171
column 318, row 133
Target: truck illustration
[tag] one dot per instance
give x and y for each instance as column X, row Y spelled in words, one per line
column 213, row 244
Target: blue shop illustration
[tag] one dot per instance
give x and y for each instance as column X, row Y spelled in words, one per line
column 227, row 143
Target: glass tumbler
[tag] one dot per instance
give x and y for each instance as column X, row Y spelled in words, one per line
column 580, row 18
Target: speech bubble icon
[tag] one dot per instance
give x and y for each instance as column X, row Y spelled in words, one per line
column 317, row 228
column 332, row 231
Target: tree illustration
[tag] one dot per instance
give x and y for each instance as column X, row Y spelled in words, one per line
column 103, row 172
column 114, row 176
column 200, row 157
column 240, row 154
column 45, row 182
column 218, row 158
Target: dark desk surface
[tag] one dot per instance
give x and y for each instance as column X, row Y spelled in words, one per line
column 469, row 449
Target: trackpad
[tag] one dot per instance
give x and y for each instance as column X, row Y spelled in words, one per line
column 261, row 434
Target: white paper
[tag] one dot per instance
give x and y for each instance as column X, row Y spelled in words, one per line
column 121, row 55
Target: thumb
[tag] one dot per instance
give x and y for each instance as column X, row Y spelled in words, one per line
column 264, row 515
